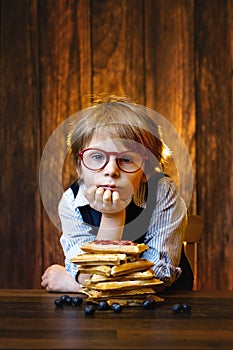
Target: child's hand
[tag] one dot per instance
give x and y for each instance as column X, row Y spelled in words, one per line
column 57, row 279
column 105, row 201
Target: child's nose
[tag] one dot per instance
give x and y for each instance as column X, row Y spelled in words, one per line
column 111, row 168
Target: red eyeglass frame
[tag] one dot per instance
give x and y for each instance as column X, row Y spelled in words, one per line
column 108, row 154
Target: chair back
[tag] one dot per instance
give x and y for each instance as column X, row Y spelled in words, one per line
column 193, row 233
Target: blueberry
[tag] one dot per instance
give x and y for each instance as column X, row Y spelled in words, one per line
column 69, row 301
column 148, row 304
column 102, row 305
column 116, row 308
column 176, row 308
column 186, row 307
column 77, row 301
column 145, row 304
column 64, row 297
column 58, row 303
column 89, row 310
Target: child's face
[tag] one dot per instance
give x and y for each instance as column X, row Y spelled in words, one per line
column 111, row 177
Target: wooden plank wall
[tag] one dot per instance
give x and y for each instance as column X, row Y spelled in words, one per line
column 21, row 219
column 175, row 56
column 213, row 72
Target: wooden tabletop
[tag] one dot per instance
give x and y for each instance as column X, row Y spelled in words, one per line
column 29, row 319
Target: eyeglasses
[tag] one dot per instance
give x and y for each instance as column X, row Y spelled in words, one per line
column 96, row 159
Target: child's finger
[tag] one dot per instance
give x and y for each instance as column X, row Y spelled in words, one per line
column 90, row 193
column 115, row 197
column 107, row 196
column 98, row 198
column 117, row 203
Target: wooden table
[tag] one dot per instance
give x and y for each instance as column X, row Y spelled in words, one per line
column 30, row 320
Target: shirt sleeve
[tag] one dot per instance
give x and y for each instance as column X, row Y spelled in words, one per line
column 166, row 231
column 74, row 231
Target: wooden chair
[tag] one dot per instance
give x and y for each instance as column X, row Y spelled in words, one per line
column 194, row 231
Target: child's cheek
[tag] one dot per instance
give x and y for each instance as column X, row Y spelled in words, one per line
column 126, row 189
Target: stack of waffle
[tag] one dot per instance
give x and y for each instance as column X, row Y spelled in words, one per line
column 117, row 273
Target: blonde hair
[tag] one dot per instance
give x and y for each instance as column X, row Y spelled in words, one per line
column 118, row 117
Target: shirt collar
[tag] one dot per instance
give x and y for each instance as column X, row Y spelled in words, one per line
column 80, row 199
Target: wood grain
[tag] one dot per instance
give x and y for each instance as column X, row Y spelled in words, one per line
column 20, row 223
column 117, row 48
column 213, row 42
column 30, row 320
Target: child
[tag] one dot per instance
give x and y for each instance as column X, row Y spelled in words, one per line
column 121, row 193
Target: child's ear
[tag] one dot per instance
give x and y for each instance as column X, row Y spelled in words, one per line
column 79, row 171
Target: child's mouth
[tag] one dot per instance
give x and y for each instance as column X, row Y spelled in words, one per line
column 110, row 187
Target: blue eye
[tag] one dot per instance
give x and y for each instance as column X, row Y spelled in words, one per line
column 97, row 157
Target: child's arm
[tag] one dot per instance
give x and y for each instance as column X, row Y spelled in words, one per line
column 112, row 209
column 165, row 234
column 74, row 234
column 57, row 279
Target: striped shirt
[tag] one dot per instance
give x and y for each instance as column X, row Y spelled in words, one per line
column 164, row 236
